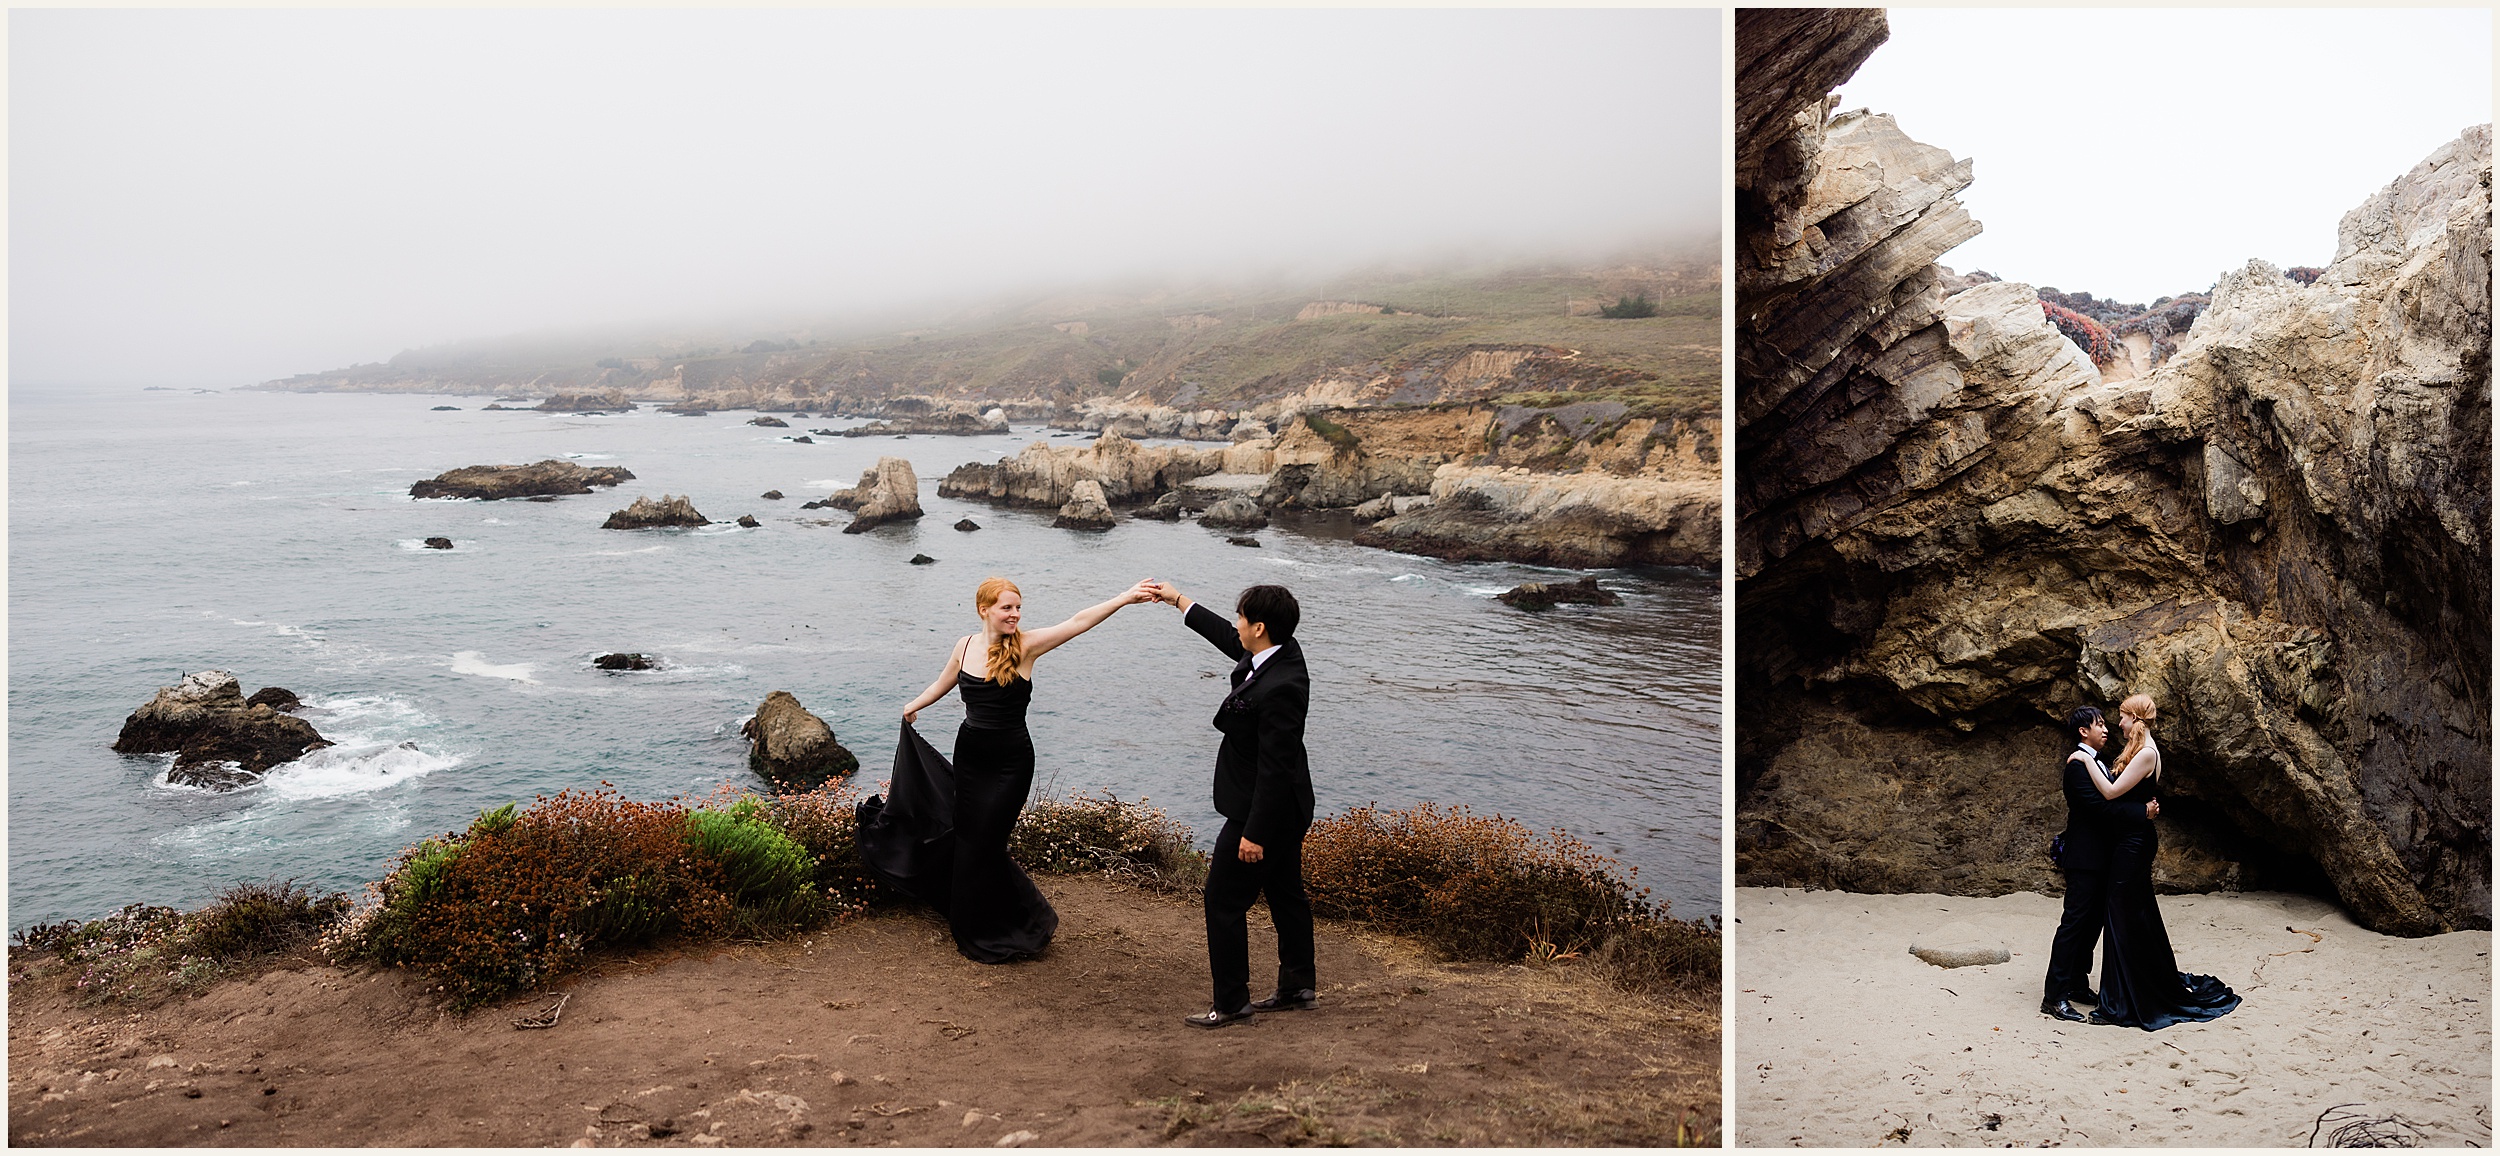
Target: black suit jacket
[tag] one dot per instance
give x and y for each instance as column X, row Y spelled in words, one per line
column 2092, row 822
column 1262, row 775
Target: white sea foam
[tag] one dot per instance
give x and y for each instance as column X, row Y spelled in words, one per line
column 831, row 484
column 354, row 768
column 1408, row 578
column 623, row 553
column 474, row 662
column 591, row 457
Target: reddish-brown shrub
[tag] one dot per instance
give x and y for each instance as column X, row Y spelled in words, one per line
column 1476, row 886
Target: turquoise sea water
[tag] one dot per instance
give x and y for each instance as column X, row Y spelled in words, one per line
column 157, row 532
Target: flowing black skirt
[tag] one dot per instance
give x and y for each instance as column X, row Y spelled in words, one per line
column 941, row 837
column 2141, row 984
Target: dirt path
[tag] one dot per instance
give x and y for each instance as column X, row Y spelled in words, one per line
column 878, row 1033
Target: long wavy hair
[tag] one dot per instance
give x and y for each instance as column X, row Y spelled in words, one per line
column 2137, row 708
column 1006, row 655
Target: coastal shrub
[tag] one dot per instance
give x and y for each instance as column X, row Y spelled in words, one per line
column 1636, row 305
column 1332, row 432
column 1474, row 886
column 143, row 951
column 825, row 823
column 1656, row 955
column 522, row 893
column 771, row 878
column 1107, row 835
column 2089, row 335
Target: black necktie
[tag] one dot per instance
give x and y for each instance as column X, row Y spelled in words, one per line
column 1241, row 673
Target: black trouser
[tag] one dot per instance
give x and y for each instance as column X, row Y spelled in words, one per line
column 2078, row 931
column 1232, row 886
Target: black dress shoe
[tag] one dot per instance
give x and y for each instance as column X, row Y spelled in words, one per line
column 2084, row 995
column 1213, row 1018
column 1282, row 1000
column 2060, row 1009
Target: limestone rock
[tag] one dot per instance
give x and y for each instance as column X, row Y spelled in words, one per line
column 1951, row 530
column 1167, row 508
column 1043, row 475
column 1085, row 509
column 1234, row 514
column 887, row 492
column 206, row 719
column 646, row 514
column 549, row 477
column 792, row 747
column 1578, row 520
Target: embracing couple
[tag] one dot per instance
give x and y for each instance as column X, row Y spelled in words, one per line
column 940, row 833
column 2107, row 854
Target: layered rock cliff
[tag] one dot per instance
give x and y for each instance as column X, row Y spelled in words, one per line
column 1952, row 528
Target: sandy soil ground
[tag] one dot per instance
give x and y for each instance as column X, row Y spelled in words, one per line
column 878, row 1033
column 1844, row 1038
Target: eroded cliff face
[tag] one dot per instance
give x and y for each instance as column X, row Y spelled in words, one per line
column 1952, row 529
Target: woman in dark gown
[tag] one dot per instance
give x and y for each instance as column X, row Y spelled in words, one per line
column 942, row 836
column 2141, row 984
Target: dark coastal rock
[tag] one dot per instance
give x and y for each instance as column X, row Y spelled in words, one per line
column 540, row 498
column 1547, row 595
column 275, row 698
column 489, row 483
column 696, row 412
column 772, row 495
column 887, row 492
column 748, row 521
column 491, row 405
column 441, row 408
column 646, row 514
column 803, row 440
column 967, row 525
column 438, row 543
column 625, row 662
column 944, row 423
column 586, row 403
column 206, row 719
column 824, row 433
column 1234, row 514
column 1085, row 509
column 922, row 560
column 768, row 420
column 1167, row 508
column 792, row 747
column 800, row 414
column 811, row 505
column 1238, row 540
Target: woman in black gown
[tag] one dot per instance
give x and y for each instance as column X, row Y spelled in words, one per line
column 942, row 837
column 2141, row 984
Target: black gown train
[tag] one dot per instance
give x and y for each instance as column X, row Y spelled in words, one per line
column 941, row 835
column 2141, row 984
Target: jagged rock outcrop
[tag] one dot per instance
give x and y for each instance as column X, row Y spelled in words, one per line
column 768, row 421
column 613, row 401
column 438, row 543
column 792, row 747
column 223, row 740
column 959, row 423
column 646, row 514
column 548, row 478
column 275, row 698
column 1543, row 596
column 1482, row 513
column 1952, row 529
column 1085, row 509
column 1234, row 514
column 625, row 661
column 1044, row 475
column 887, row 492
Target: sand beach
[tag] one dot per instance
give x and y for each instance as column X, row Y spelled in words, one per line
column 1844, row 1038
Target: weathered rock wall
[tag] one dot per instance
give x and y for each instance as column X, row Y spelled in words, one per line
column 1952, row 529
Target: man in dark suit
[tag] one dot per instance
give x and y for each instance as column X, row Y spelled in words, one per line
column 1263, row 790
column 2085, row 859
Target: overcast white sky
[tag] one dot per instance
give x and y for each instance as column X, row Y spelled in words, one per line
column 2137, row 153
column 225, row 197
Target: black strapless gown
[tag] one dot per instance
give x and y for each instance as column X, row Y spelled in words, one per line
column 2141, row 984
column 942, row 835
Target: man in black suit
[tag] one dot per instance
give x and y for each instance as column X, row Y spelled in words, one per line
column 2084, row 856
column 1263, row 790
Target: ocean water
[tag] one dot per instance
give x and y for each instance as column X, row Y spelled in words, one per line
column 157, row 532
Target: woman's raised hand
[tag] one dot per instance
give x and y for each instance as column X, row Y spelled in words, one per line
column 911, row 716
column 1144, row 591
